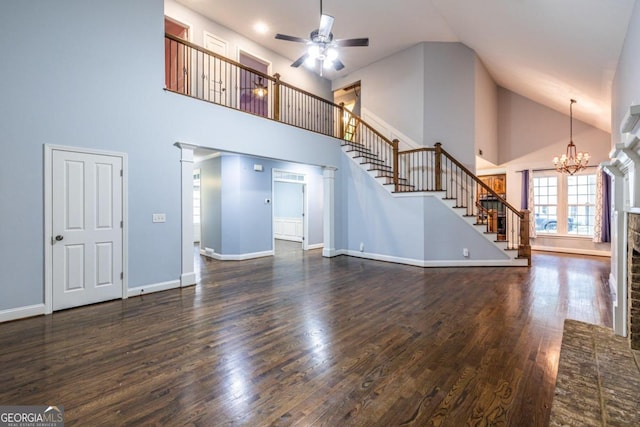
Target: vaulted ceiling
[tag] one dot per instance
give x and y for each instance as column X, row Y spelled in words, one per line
column 546, row 50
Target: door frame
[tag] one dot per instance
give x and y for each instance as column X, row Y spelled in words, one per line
column 305, row 205
column 48, row 217
column 239, row 53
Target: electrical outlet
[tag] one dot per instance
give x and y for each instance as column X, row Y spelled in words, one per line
column 159, row 217
column 465, row 252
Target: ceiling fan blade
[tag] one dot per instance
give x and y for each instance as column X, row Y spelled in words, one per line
column 326, row 23
column 291, row 38
column 352, row 42
column 337, row 65
column 300, row 60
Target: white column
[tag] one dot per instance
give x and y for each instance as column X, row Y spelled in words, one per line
column 188, row 276
column 618, row 276
column 329, row 232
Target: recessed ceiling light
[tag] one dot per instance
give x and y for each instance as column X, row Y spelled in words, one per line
column 260, row 27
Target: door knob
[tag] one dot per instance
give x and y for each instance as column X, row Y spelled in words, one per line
column 59, row 237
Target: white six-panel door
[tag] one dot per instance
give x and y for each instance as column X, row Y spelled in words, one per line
column 87, row 234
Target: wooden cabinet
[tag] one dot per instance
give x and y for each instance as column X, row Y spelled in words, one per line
column 497, row 183
column 490, row 210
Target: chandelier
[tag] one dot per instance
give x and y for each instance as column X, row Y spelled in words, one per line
column 573, row 161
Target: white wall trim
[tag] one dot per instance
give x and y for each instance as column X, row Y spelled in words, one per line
column 236, row 257
column 613, row 288
column 436, row 263
column 282, row 227
column 21, row 312
column 182, row 23
column 188, row 279
column 575, row 251
column 187, row 276
column 48, row 206
column 315, row 246
column 155, row 287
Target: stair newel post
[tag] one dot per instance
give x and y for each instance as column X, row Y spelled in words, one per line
column 276, row 97
column 343, row 124
column 438, row 166
column 396, row 144
column 524, row 249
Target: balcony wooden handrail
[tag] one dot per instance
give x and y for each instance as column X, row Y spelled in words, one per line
column 220, row 57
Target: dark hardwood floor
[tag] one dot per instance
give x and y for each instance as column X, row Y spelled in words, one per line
column 302, row 340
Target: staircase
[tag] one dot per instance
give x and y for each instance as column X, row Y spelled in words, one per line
column 426, row 170
column 443, row 177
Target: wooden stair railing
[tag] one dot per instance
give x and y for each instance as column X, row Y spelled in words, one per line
column 463, row 185
column 199, row 73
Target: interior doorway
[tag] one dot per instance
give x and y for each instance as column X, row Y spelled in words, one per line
column 290, row 207
column 350, row 96
column 176, row 63
column 254, row 87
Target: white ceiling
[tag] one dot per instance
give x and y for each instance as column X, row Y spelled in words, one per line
column 547, row 50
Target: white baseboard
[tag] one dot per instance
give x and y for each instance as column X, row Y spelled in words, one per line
column 188, row 279
column 571, row 250
column 331, row 252
column 155, row 287
column 21, row 312
column 316, row 246
column 437, row 263
column 236, row 257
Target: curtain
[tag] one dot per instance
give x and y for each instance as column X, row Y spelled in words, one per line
column 531, row 206
column 602, row 219
column 524, row 194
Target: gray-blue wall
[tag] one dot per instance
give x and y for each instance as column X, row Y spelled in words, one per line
column 69, row 77
column 235, row 218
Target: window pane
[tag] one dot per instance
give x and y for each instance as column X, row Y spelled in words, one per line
column 581, row 205
column 545, row 192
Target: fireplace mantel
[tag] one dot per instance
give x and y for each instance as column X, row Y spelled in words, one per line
column 624, row 169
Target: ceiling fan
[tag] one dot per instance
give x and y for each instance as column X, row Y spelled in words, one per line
column 322, row 47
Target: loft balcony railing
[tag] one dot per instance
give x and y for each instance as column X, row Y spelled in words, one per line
column 199, row 73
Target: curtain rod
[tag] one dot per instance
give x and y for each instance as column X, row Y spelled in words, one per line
column 552, row 169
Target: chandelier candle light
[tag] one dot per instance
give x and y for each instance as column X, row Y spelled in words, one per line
column 572, row 161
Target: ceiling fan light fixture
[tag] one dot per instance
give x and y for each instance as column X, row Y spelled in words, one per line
column 314, row 51
column 332, row 54
column 310, row 62
column 321, row 47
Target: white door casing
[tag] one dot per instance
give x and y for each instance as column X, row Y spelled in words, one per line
column 84, row 217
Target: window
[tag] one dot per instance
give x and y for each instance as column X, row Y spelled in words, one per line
column 581, row 204
column 564, row 204
column 545, row 201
